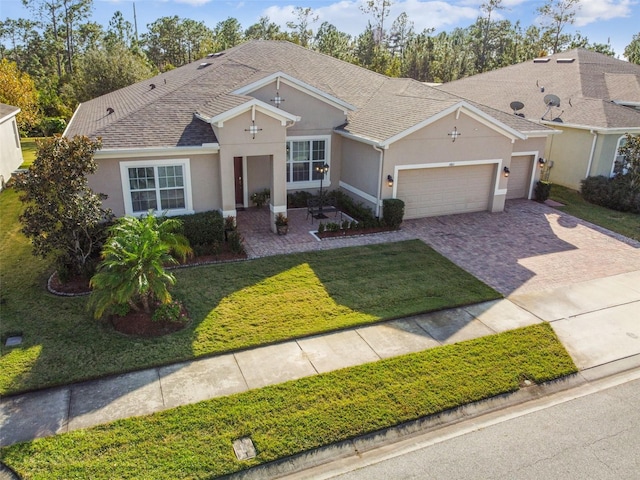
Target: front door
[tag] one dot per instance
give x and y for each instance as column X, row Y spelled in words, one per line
column 237, row 172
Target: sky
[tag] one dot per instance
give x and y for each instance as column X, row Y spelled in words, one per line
column 601, row 21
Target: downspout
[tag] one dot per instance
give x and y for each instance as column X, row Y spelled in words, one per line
column 593, row 149
column 379, row 199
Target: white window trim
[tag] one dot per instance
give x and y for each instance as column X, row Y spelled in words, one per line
column 126, row 192
column 615, row 154
column 327, row 151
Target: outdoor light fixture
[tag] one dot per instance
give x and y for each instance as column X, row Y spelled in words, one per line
column 322, row 170
column 541, row 162
column 454, row 134
column 390, row 180
column 506, row 171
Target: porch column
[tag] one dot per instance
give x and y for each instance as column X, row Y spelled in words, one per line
column 278, row 202
column 227, row 183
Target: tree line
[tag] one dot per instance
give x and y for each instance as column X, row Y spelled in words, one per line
column 59, row 56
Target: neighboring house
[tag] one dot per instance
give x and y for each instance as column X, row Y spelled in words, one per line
column 10, row 150
column 592, row 98
column 266, row 114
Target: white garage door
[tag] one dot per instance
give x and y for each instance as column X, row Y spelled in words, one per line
column 519, row 177
column 428, row 192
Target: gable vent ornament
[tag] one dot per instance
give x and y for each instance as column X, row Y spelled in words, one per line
column 253, row 128
column 278, row 99
column 454, row 134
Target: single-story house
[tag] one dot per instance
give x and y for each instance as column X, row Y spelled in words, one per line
column 268, row 114
column 10, row 150
column 592, row 98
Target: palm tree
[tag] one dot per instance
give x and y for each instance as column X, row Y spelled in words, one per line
column 132, row 270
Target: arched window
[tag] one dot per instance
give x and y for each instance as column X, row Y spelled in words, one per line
column 619, row 161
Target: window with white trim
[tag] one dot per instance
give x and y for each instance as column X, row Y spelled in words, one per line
column 160, row 185
column 619, row 160
column 304, row 155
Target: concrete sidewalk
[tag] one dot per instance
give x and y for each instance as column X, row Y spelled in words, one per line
column 598, row 321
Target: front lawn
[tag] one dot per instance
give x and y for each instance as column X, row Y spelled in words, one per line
column 232, row 306
column 624, row 223
column 195, row 441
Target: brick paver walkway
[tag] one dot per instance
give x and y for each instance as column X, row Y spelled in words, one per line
column 528, row 247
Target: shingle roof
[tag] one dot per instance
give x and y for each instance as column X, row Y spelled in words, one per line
column 6, row 110
column 585, row 81
column 159, row 112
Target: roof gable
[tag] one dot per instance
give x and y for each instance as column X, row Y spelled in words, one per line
column 310, row 90
column 244, row 104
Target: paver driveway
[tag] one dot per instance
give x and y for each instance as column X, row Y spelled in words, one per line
column 527, row 248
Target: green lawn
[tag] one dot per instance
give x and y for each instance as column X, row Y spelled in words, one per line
column 28, row 151
column 232, row 306
column 624, row 223
column 195, row 441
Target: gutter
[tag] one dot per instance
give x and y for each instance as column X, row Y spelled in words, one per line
column 155, row 151
column 379, row 197
column 593, row 149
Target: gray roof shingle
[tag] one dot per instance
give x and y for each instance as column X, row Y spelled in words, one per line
column 159, row 112
column 6, row 110
column 585, row 81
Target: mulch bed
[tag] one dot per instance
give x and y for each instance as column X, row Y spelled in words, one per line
column 141, row 324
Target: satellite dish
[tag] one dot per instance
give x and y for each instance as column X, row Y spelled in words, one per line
column 152, row 86
column 515, row 106
column 110, row 111
column 551, row 100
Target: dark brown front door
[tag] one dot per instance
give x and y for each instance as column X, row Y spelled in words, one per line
column 237, row 172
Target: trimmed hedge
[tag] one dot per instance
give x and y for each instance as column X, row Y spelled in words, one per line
column 392, row 212
column 206, row 228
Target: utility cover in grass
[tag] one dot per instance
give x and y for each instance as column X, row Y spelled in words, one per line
column 244, row 448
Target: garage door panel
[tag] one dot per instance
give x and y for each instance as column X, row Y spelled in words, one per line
column 442, row 191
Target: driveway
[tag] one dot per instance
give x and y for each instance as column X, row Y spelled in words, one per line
column 529, row 247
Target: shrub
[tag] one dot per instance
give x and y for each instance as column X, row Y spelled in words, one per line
column 261, row 197
column 206, row 228
column 616, row 193
column 392, row 212
column 236, row 243
column 542, row 191
column 298, row 199
column 51, row 125
column 321, row 228
column 169, row 312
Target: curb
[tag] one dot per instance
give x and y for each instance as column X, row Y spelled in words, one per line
column 357, row 446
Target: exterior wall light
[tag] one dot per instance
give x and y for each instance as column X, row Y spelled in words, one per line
column 390, row 180
column 541, row 162
column 506, row 171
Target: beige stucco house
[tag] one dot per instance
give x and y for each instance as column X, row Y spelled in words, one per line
column 593, row 99
column 265, row 114
column 10, row 151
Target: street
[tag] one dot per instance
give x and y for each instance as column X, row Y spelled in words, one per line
column 594, row 436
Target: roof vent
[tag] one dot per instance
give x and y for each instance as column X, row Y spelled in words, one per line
column 566, row 60
column 203, row 65
column 541, row 60
column 152, row 86
column 110, row 111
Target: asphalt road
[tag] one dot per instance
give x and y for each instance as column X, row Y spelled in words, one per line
column 596, row 436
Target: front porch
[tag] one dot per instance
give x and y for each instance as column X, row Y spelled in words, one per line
column 260, row 241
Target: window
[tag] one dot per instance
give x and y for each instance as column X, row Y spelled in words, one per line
column 16, row 135
column 619, row 161
column 161, row 185
column 303, row 156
